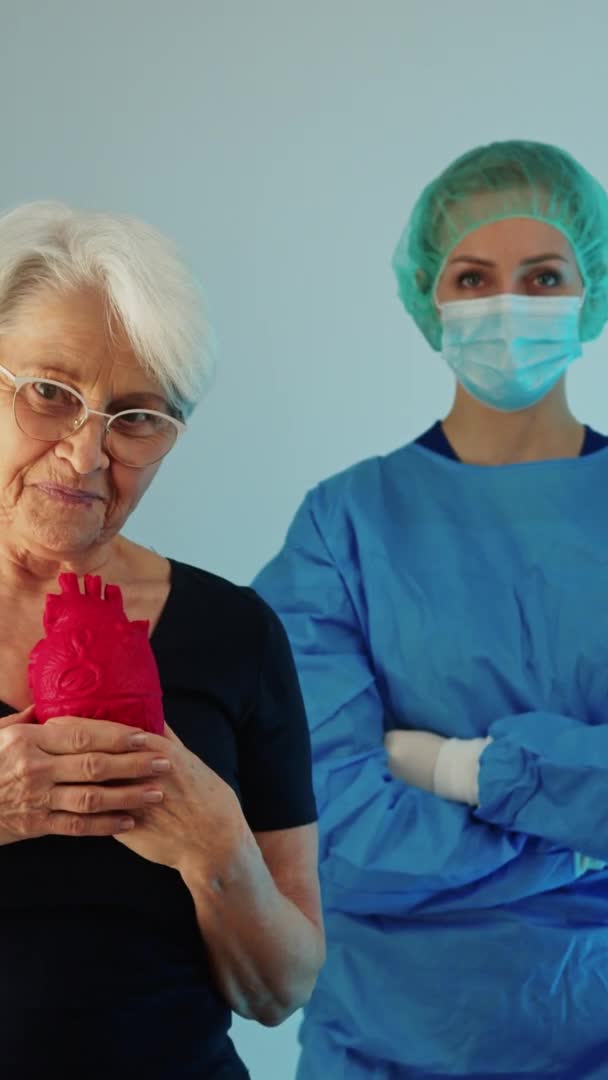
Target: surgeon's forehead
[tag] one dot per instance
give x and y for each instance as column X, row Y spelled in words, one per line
column 458, row 217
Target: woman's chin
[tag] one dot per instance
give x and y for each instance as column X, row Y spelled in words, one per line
column 60, row 537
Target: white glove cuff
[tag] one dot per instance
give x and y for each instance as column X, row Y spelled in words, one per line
column 456, row 774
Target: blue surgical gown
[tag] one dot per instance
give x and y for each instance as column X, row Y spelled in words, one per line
column 420, row 592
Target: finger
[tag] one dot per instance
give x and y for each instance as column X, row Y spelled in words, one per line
column 79, row 735
column 26, row 716
column 92, row 585
column 149, row 740
column 65, row 824
column 96, row 768
column 97, row 799
column 168, row 733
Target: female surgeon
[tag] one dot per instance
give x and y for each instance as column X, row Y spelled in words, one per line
column 447, row 605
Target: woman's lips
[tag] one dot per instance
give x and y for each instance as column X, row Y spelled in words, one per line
column 74, row 496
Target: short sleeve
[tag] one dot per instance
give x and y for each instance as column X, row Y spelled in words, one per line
column 275, row 769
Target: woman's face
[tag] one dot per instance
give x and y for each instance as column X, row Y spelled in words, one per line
column 65, row 336
column 517, row 255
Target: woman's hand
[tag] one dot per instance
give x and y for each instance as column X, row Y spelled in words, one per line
column 447, row 767
column 412, row 756
column 54, row 777
column 199, row 821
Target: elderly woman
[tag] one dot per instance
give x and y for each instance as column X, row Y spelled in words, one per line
column 150, row 883
column 447, row 606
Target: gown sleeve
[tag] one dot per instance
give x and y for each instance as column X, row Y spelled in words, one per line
column 385, row 847
column 547, row 775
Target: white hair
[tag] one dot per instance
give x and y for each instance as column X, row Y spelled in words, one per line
column 146, row 285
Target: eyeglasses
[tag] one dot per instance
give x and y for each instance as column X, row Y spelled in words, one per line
column 50, row 411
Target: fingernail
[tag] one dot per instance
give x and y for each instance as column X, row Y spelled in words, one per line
column 137, row 740
column 161, row 765
column 126, row 823
column 153, row 796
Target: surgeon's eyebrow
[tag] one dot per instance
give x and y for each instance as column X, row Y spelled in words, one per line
column 524, row 262
column 543, row 258
column 472, row 259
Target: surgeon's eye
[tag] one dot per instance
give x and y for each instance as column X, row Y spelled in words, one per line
column 548, row 279
column 470, row 279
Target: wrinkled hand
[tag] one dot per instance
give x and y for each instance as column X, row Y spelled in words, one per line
column 71, row 777
column 199, row 819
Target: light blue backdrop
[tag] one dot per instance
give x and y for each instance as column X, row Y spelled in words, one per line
column 282, row 144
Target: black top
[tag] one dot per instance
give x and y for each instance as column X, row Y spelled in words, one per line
column 104, row 971
column 436, row 440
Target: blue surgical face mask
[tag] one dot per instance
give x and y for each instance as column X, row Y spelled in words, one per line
column 510, row 351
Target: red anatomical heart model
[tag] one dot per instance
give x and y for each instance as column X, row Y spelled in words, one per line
column 93, row 661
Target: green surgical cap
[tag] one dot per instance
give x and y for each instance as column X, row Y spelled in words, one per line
column 494, row 182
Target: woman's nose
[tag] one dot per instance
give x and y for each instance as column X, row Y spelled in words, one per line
column 84, row 448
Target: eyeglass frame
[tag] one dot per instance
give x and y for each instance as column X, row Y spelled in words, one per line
column 22, row 380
